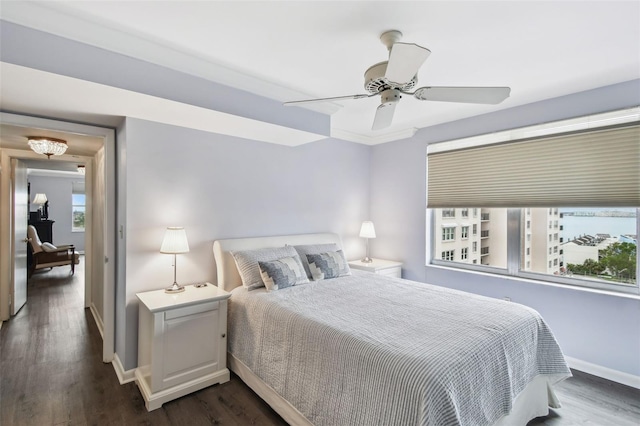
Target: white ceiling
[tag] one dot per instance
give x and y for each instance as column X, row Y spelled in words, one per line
column 296, row 50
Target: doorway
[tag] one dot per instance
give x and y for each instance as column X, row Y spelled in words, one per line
column 100, row 211
column 57, row 205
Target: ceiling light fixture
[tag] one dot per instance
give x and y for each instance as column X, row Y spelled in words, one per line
column 47, row 146
column 81, row 169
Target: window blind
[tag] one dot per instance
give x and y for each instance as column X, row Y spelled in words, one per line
column 589, row 168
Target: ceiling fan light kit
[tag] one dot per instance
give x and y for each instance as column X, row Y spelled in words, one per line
column 399, row 75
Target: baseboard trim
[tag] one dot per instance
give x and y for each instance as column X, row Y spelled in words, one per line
column 604, row 372
column 97, row 319
column 123, row 376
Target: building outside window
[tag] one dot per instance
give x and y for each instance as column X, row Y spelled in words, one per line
column 464, row 253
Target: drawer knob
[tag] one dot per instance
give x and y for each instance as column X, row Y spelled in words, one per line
column 224, row 335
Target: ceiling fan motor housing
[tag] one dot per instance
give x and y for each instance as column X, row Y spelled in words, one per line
column 390, row 96
column 376, row 82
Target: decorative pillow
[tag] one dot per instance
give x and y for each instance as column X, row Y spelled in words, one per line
column 328, row 265
column 247, row 263
column 304, row 250
column 48, row 247
column 282, row 273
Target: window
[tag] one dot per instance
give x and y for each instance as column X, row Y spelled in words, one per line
column 464, row 232
column 78, row 204
column 464, row 253
column 448, row 233
column 465, row 212
column 528, row 176
column 600, row 248
column 448, row 212
column 448, row 255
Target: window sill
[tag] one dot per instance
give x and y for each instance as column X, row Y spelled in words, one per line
column 539, row 282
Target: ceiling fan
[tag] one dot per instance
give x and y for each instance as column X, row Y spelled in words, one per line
column 390, row 79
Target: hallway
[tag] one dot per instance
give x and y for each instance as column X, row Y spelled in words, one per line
column 51, row 354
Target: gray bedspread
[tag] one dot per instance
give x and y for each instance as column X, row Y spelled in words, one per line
column 373, row 350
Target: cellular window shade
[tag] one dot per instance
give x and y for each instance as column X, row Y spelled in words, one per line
column 591, row 168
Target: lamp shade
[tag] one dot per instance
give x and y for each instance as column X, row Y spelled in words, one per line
column 367, row 230
column 175, row 241
column 40, row 198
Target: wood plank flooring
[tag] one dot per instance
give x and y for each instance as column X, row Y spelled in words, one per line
column 52, row 374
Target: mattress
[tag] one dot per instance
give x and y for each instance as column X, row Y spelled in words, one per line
column 368, row 349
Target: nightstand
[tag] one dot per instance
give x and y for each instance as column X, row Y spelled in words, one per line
column 182, row 342
column 380, row 267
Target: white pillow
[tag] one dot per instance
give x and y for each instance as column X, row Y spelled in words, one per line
column 247, row 263
column 48, row 247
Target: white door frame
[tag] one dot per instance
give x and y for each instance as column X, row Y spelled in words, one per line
column 109, row 237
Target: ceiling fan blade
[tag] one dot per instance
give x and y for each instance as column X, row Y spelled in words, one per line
column 473, row 95
column 405, row 60
column 384, row 115
column 336, row 98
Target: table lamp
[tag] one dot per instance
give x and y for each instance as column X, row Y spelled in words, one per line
column 367, row 231
column 174, row 242
column 41, row 199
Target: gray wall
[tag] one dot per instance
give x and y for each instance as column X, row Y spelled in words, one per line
column 597, row 328
column 222, row 187
column 58, row 191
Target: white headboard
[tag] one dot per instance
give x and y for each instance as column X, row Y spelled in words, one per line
column 228, row 276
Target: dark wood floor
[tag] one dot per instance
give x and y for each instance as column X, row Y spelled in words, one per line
column 52, row 374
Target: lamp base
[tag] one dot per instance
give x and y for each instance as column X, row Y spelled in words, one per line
column 175, row 288
column 367, row 260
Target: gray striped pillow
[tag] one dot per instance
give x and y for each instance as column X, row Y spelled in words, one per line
column 304, row 250
column 247, row 263
column 282, row 273
column 328, row 265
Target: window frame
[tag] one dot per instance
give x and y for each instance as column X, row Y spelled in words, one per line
column 513, row 269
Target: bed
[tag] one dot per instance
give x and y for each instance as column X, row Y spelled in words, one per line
column 365, row 349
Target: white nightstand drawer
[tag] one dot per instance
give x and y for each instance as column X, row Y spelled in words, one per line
column 391, row 272
column 190, row 310
column 389, row 268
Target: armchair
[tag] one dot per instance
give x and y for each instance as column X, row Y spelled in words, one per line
column 46, row 255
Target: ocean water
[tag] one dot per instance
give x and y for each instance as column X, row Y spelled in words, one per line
column 575, row 226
